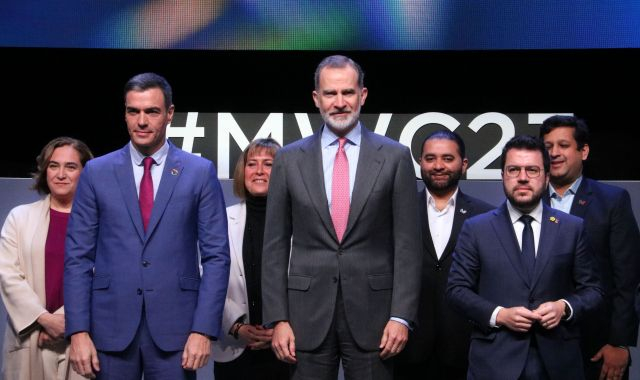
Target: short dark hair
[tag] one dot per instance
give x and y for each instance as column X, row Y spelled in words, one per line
column 580, row 129
column 338, row 61
column 40, row 175
column 145, row 81
column 526, row 142
column 445, row 134
column 268, row 145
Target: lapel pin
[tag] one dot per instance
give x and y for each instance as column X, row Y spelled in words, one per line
column 554, row 219
column 582, row 202
column 463, row 211
column 174, row 171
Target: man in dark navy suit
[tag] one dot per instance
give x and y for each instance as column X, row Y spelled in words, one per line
column 523, row 275
column 613, row 235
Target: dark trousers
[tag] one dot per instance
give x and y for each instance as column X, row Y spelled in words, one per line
column 142, row 356
column 252, row 365
column 323, row 362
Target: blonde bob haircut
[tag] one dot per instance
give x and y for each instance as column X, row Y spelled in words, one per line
column 268, row 145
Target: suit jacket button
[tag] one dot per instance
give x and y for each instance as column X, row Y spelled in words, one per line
column 438, row 267
column 139, row 291
column 145, row 263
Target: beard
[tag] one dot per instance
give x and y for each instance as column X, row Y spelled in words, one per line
column 524, row 204
column 442, row 187
column 344, row 124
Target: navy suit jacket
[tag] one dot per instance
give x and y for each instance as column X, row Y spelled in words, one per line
column 113, row 268
column 439, row 328
column 488, row 272
column 612, row 232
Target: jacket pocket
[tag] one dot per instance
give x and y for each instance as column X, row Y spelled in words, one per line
column 189, row 283
column 381, row 281
column 101, row 282
column 299, row 282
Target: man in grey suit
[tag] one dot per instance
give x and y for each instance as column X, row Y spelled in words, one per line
column 341, row 280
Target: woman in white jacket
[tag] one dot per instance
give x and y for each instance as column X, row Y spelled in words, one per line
column 244, row 350
column 31, row 267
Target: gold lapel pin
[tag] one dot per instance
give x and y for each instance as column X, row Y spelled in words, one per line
column 174, row 171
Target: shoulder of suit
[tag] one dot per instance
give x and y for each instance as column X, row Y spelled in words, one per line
column 605, row 188
column 384, row 140
column 479, row 205
column 559, row 217
column 233, row 211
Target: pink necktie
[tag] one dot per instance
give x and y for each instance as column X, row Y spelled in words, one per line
column 340, row 191
column 146, row 192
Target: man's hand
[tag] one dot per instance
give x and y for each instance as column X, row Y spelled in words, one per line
column 256, row 336
column 550, row 313
column 394, row 338
column 614, row 361
column 283, row 342
column 53, row 324
column 196, row 352
column 83, row 355
column 516, row 318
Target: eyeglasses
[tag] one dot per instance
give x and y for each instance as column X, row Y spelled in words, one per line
column 514, row 171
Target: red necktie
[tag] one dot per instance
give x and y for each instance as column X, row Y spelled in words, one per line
column 340, row 190
column 146, row 192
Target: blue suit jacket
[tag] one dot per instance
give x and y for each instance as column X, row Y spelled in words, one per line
column 487, row 272
column 113, row 268
column 612, row 232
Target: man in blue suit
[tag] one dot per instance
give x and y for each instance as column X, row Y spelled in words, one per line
column 147, row 257
column 612, row 232
column 523, row 275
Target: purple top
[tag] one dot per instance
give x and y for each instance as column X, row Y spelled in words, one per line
column 54, row 259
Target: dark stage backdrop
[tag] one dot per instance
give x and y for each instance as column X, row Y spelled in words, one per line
column 486, row 95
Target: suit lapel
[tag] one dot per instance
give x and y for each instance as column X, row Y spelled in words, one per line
column 461, row 213
column 548, row 235
column 172, row 171
column 369, row 165
column 427, row 240
column 124, row 175
column 310, row 168
column 581, row 199
column 237, row 220
column 507, row 238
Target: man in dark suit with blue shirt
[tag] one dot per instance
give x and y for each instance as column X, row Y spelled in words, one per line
column 438, row 347
column 523, row 275
column 147, row 256
column 341, row 262
column 612, row 232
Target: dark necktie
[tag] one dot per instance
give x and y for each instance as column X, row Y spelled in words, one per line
column 146, row 192
column 528, row 245
column 340, row 190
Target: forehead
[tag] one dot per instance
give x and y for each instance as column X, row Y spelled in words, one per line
column 152, row 97
column 65, row 153
column 440, row 146
column 338, row 77
column 524, row 157
column 259, row 153
column 561, row 133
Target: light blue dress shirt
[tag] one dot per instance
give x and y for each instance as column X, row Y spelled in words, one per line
column 563, row 203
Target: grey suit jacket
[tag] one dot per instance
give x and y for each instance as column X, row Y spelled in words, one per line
column 377, row 265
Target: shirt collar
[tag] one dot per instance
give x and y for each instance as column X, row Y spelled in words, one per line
column 515, row 214
column 571, row 190
column 328, row 138
column 158, row 156
column 451, row 202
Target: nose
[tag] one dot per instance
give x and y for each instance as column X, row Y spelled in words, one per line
column 142, row 119
column 553, row 151
column 522, row 176
column 340, row 103
column 259, row 169
column 60, row 174
column 437, row 164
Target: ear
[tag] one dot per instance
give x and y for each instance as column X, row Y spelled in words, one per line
column 363, row 95
column 585, row 152
column 316, row 99
column 465, row 164
column 170, row 111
